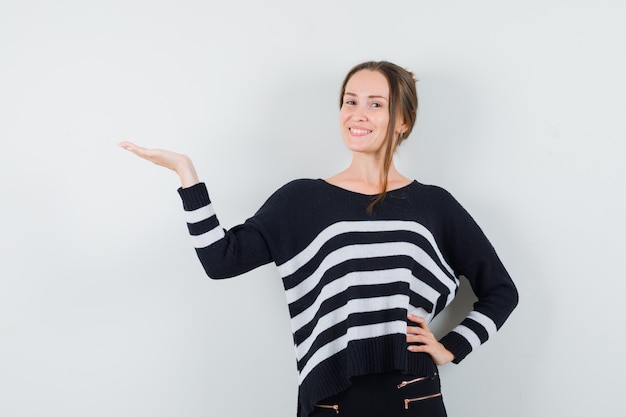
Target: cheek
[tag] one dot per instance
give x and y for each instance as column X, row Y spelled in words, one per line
column 343, row 117
column 383, row 122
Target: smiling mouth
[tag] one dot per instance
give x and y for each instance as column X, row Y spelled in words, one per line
column 359, row 132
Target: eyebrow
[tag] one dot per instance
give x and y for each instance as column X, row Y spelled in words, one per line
column 372, row 96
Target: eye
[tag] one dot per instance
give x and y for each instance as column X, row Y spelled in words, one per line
column 376, row 105
column 349, row 102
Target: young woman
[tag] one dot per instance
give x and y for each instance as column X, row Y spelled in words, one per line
column 367, row 257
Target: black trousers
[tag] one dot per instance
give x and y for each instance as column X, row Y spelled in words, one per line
column 386, row 395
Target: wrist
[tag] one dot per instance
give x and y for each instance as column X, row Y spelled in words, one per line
column 187, row 172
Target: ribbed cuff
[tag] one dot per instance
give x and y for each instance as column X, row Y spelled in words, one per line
column 456, row 344
column 194, row 197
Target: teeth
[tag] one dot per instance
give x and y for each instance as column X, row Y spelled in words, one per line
column 359, row 131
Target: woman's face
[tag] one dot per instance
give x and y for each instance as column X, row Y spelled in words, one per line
column 364, row 114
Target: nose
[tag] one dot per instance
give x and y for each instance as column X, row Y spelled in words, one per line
column 359, row 114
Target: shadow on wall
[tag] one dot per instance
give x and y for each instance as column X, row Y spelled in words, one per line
column 458, row 309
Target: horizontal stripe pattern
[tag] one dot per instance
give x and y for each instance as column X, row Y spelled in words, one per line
column 202, row 213
column 367, row 251
column 469, row 335
column 477, row 328
column 353, row 333
column 293, row 264
column 324, row 303
column 341, row 314
column 488, row 324
column 377, row 280
column 207, row 239
column 341, row 285
column 203, row 226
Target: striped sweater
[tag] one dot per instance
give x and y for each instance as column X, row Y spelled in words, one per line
column 351, row 277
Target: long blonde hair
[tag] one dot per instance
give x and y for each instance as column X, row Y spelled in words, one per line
column 402, row 103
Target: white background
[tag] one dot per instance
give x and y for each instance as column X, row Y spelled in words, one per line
column 104, row 309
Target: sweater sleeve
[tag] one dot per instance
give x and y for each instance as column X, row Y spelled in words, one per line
column 472, row 255
column 222, row 253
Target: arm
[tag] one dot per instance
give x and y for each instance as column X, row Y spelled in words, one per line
column 222, row 253
column 471, row 255
column 497, row 297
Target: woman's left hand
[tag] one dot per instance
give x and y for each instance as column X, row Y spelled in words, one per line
column 427, row 342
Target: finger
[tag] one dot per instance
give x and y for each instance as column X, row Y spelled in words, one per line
column 437, row 352
column 422, row 336
column 413, row 347
column 418, row 331
column 421, row 321
column 145, row 153
column 414, row 330
column 412, row 338
column 417, row 319
column 138, row 150
column 420, row 348
column 127, row 145
column 131, row 147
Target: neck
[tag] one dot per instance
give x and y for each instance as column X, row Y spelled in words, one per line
column 368, row 169
column 365, row 175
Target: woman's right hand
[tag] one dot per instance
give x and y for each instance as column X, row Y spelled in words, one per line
column 179, row 163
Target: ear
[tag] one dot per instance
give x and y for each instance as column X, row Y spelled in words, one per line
column 401, row 127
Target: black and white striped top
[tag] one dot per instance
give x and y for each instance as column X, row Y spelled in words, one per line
column 351, row 277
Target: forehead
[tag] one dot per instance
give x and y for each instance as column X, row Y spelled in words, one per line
column 368, row 83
